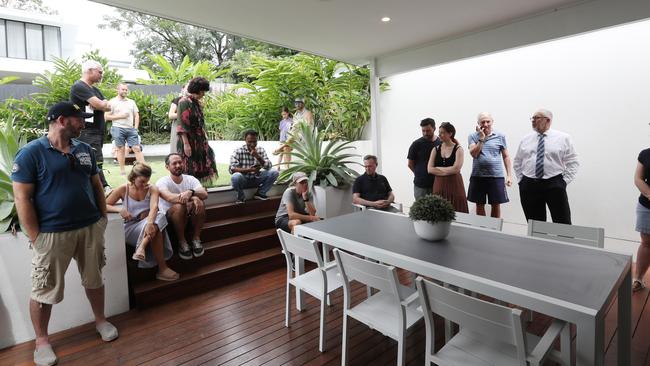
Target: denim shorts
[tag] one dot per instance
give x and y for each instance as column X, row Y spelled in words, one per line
column 642, row 219
column 125, row 135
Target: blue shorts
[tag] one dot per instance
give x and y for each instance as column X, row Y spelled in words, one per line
column 492, row 187
column 125, row 135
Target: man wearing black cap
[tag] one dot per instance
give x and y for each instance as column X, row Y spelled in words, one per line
column 60, row 203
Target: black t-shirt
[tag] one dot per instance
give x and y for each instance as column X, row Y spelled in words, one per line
column 644, row 159
column 419, row 152
column 80, row 92
column 372, row 188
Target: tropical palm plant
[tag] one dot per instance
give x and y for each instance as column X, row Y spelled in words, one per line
column 11, row 139
column 325, row 163
column 165, row 73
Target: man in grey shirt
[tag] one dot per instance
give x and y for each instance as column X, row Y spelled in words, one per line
column 296, row 206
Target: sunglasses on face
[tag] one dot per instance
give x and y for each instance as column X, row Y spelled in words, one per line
column 71, row 159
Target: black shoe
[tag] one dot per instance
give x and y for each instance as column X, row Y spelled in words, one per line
column 197, row 248
column 184, row 251
column 259, row 196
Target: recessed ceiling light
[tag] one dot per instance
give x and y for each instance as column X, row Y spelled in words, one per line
column 385, row 19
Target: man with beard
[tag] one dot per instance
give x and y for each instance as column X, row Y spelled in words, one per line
column 60, row 203
column 181, row 198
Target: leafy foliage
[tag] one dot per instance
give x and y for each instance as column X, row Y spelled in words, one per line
column 432, row 208
column 11, row 139
column 165, row 73
column 36, row 6
column 324, row 164
column 8, row 79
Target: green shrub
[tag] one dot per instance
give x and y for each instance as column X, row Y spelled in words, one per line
column 11, row 139
column 432, row 208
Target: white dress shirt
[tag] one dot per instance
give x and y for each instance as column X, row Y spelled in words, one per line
column 559, row 156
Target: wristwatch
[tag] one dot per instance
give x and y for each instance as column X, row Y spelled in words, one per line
column 191, row 190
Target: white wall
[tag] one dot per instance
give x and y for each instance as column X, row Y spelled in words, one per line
column 596, row 86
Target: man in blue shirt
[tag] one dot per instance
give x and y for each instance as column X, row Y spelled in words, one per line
column 60, row 203
column 489, row 150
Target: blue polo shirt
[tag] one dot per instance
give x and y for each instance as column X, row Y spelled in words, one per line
column 489, row 162
column 63, row 194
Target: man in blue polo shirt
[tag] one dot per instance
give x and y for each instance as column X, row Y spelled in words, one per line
column 60, row 203
column 490, row 153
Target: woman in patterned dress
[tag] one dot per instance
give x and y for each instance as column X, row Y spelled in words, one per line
column 192, row 140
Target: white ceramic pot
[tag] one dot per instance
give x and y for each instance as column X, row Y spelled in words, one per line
column 432, row 232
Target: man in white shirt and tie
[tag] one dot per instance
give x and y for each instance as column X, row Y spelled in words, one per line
column 545, row 163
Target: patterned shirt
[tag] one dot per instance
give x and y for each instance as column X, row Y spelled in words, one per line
column 489, row 162
column 242, row 158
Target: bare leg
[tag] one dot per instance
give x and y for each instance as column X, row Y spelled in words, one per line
column 120, row 158
column 197, row 220
column 40, row 314
column 643, row 256
column 287, row 156
column 96, row 298
column 143, row 245
column 495, row 210
column 157, row 247
column 480, row 209
column 178, row 217
column 139, row 156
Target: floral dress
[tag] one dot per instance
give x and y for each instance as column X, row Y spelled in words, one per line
column 191, row 123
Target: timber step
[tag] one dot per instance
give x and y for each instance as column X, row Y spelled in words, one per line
column 234, row 226
column 208, row 277
column 230, row 210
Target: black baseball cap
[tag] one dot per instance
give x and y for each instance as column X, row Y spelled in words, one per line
column 66, row 109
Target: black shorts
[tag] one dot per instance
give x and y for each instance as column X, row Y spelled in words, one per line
column 283, row 223
column 492, row 187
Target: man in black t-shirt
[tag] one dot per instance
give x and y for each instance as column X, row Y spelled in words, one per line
column 84, row 94
column 371, row 189
column 418, row 158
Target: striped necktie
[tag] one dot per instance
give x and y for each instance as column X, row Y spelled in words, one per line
column 539, row 162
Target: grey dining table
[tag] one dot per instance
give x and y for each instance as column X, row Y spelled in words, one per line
column 565, row 281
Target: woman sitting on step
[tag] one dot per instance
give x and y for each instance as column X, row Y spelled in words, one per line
column 144, row 226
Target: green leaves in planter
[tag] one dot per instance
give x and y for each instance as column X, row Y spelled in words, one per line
column 11, row 139
column 432, row 208
column 324, row 163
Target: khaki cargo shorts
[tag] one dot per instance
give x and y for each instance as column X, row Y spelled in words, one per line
column 52, row 253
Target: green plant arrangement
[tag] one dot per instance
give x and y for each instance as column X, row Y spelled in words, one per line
column 324, row 163
column 433, row 209
column 11, row 139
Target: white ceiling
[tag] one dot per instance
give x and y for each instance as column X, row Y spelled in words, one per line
column 352, row 31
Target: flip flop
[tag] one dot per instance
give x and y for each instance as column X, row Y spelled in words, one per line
column 167, row 276
column 637, row 285
column 138, row 256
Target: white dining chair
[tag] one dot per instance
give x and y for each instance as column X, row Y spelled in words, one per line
column 319, row 282
column 396, row 205
column 583, row 235
column 392, row 310
column 490, row 334
column 486, row 222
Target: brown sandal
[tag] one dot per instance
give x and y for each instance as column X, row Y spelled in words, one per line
column 139, row 256
column 167, row 275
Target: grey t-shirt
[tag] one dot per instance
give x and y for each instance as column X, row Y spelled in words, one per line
column 296, row 201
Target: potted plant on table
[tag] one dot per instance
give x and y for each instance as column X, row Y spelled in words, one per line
column 325, row 164
column 432, row 216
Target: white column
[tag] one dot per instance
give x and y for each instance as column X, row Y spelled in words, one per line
column 375, row 129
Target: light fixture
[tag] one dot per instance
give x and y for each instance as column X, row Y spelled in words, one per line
column 385, row 19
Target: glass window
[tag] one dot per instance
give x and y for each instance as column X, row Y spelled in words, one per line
column 15, row 39
column 3, row 39
column 34, row 37
column 52, row 38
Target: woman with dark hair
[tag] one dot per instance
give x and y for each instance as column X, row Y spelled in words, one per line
column 144, row 226
column 641, row 180
column 192, row 139
column 445, row 163
column 285, row 127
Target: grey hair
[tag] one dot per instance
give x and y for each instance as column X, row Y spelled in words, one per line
column 90, row 64
column 484, row 114
column 546, row 113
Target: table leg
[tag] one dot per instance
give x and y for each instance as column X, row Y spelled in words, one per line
column 590, row 342
column 625, row 320
column 300, row 269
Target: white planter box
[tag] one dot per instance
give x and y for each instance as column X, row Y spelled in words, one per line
column 74, row 310
column 331, row 202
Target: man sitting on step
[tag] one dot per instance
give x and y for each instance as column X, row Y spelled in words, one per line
column 181, row 198
column 296, row 206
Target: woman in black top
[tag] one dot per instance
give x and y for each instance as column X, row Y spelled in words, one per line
column 445, row 163
column 641, row 176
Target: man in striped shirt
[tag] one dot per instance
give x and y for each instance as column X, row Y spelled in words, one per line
column 490, row 153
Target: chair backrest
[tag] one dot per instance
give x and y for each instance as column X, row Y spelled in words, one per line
column 491, row 320
column 300, row 247
column 397, row 205
column 375, row 275
column 486, row 222
column 584, row 235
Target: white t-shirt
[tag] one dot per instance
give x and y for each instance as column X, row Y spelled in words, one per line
column 166, row 182
column 128, row 106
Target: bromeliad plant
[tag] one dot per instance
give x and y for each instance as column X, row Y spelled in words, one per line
column 324, row 163
column 11, row 139
column 433, row 209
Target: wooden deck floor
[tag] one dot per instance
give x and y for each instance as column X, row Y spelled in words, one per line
column 244, row 324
